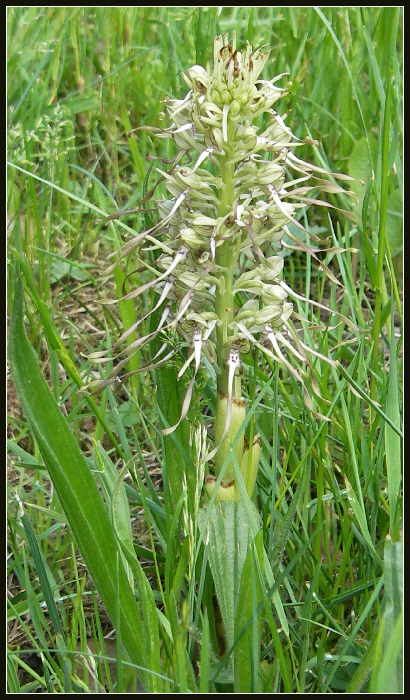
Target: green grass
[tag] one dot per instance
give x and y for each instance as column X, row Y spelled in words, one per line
column 328, row 493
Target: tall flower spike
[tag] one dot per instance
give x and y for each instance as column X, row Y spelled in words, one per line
column 218, row 237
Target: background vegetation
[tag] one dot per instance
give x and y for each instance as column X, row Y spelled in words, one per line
column 329, row 494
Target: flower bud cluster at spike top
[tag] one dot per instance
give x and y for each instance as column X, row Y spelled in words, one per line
column 218, row 233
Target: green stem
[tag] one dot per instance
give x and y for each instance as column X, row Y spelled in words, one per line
column 226, row 257
column 382, row 221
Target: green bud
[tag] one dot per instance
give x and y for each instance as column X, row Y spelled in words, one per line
column 235, row 108
column 271, row 268
column 248, row 285
column 226, row 98
column 191, row 237
column 270, row 174
column 287, row 311
column 249, row 132
column 269, row 314
column 273, row 293
column 215, row 97
column 249, row 137
column 248, row 311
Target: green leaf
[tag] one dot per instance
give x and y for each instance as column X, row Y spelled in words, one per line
column 60, row 269
column 393, row 623
column 246, row 653
column 128, row 318
column 76, row 105
column 74, row 483
column 37, row 616
column 387, row 675
column 375, row 67
column 27, row 459
column 117, row 502
column 394, row 222
column 355, row 496
column 205, row 658
column 353, row 634
column 392, row 440
column 170, row 395
column 182, row 568
column 229, row 535
column 254, row 521
column 150, row 633
column 360, row 514
column 41, row 567
column 12, row 677
column 364, row 669
column 359, row 166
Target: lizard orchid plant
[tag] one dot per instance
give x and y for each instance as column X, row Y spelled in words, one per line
column 219, row 235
